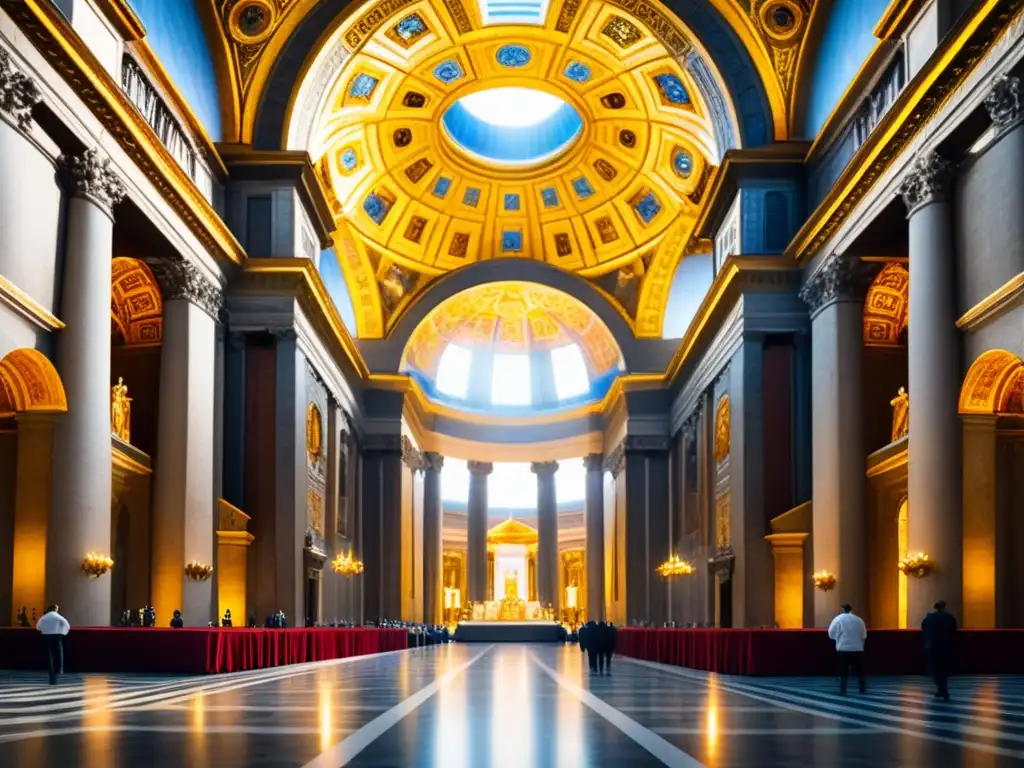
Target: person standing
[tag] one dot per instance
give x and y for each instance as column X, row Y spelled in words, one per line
column 608, row 645
column 849, row 632
column 589, row 643
column 939, row 630
column 53, row 627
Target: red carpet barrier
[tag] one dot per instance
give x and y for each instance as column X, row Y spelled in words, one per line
column 780, row 652
column 194, row 651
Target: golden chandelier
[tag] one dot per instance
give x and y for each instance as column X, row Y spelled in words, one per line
column 675, row 567
column 346, row 565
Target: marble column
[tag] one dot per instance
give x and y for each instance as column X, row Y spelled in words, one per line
column 835, row 295
column 547, row 534
column 1006, row 153
column 433, row 523
column 934, row 470
column 594, row 536
column 82, row 480
column 184, row 498
column 476, row 530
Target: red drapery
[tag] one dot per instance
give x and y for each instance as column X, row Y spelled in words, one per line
column 194, row 651
column 771, row 652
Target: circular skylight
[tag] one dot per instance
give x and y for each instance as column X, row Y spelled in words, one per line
column 512, row 126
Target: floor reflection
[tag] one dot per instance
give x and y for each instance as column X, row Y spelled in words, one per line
column 511, row 726
column 451, row 739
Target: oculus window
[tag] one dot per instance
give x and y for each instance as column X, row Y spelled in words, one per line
column 570, row 372
column 510, row 384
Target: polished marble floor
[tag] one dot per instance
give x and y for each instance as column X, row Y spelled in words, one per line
column 504, row 705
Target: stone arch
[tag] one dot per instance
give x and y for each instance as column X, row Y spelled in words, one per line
column 30, row 384
column 136, row 306
column 993, row 384
column 886, row 307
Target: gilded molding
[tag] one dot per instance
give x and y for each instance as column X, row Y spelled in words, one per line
column 480, row 467
column 180, row 279
column 840, row 278
column 121, row 15
column 90, row 176
column 1003, row 103
column 20, row 301
column 948, row 67
column 782, row 25
column 995, row 302
column 18, row 93
column 929, row 180
column 897, row 18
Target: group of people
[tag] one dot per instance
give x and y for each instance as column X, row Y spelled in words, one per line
column 938, row 629
column 597, row 640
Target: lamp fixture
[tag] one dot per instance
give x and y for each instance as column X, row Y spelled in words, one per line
column 198, row 571
column 96, row 565
column 918, row 565
column 346, row 565
column 675, row 567
column 824, row 580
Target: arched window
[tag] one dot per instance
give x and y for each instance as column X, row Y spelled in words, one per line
column 453, row 371
column 511, row 380
column 570, row 371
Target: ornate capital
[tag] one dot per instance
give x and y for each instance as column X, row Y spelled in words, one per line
column 690, row 426
column 18, row 93
column 544, row 467
column 180, row 279
column 647, row 443
column 616, row 459
column 480, row 467
column 594, row 462
column 841, row 278
column 411, row 456
column 91, row 177
column 1003, row 103
column 433, row 461
column 927, row 181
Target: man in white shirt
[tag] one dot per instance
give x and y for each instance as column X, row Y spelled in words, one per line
column 849, row 632
column 53, row 627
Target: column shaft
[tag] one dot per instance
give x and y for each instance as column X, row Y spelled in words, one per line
column 81, row 440
column 476, row 554
column 433, row 514
column 594, row 533
column 547, row 535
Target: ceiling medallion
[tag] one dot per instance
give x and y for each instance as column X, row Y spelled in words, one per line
column 414, row 100
column 613, row 101
column 577, row 72
column 448, row 71
column 402, row 137
column 782, row 20
column 682, row 162
column 672, row 89
column 627, row 138
column 513, row 56
column 251, row 21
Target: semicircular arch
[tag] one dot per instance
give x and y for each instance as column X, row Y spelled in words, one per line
column 136, row 305
column 30, row 384
column 994, row 384
column 886, row 304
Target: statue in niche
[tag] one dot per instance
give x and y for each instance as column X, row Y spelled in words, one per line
column 900, row 415
column 121, row 411
column 722, row 429
column 314, row 433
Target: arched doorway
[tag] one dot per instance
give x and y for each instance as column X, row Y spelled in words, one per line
column 31, row 396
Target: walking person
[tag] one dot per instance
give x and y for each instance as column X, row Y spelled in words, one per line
column 590, row 642
column 608, row 646
column 939, row 630
column 53, row 627
column 849, row 632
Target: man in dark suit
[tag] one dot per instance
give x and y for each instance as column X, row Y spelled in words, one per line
column 939, row 630
column 607, row 646
column 589, row 642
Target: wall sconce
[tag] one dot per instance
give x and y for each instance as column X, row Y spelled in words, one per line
column 918, row 565
column 346, row 565
column 198, row 571
column 96, row 565
column 675, row 567
column 824, row 580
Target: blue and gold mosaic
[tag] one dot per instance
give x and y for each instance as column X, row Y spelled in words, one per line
column 363, row 86
column 682, row 162
column 646, row 206
column 549, row 196
column 672, row 89
column 408, row 30
column 471, row 197
column 377, row 205
column 512, row 241
column 511, row 201
column 441, row 187
column 513, row 56
column 577, row 72
column 582, row 187
column 448, row 71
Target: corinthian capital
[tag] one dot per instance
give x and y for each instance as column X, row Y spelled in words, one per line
column 594, row 462
column 18, row 93
column 480, row 467
column 841, row 278
column 544, row 467
column 927, row 181
column 1003, row 103
column 92, row 178
column 433, row 461
column 181, row 280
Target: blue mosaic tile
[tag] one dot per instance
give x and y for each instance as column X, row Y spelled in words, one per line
column 513, row 56
column 578, row 72
column 582, row 187
column 349, row 161
column 549, row 196
column 672, row 89
column 647, row 207
column 682, row 162
column 411, row 27
column 511, row 202
column 471, row 197
column 512, row 241
column 448, row 71
column 441, row 186
column 376, row 207
column 363, row 86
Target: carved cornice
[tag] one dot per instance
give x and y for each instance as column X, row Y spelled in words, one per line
column 840, row 278
column 646, row 443
column 411, row 456
column 544, row 467
column 90, row 176
column 615, row 460
column 433, row 461
column 480, row 467
column 180, row 279
column 1003, row 103
column 18, row 93
column 594, row 462
column 928, row 181
column 284, row 334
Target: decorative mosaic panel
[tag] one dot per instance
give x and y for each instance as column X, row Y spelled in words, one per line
column 448, row 71
column 408, row 30
column 624, row 32
column 402, row 137
column 682, row 162
column 471, row 197
column 414, row 230
column 563, row 245
column 549, row 196
column 606, row 230
column 513, row 56
column 441, row 187
column 363, row 86
column 613, row 100
column 511, row 201
column 414, row 100
column 577, row 72
column 627, row 138
column 646, row 206
column 417, row 170
column 512, row 241
column 605, row 169
column 672, row 89
column 582, row 187
column 348, row 159
column 459, row 245
column 377, row 206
